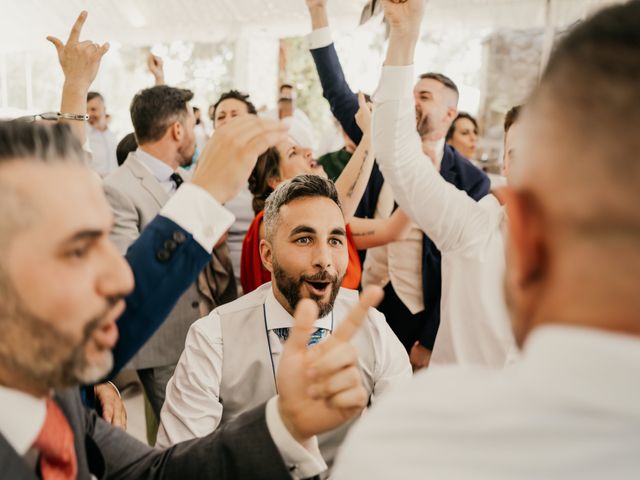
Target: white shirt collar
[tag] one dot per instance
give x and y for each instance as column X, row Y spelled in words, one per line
column 160, row 170
column 278, row 317
column 572, row 359
column 21, row 418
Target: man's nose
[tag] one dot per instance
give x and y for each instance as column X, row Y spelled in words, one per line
column 116, row 279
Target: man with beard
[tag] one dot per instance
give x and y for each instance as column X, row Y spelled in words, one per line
column 570, row 407
column 231, row 356
column 163, row 121
column 410, row 269
column 63, row 285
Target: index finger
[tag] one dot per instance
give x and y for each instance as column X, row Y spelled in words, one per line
column 370, row 297
column 305, row 315
column 74, row 35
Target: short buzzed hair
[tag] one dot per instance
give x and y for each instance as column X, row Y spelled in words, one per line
column 92, row 95
column 302, row 186
column 591, row 83
column 443, row 79
column 511, row 117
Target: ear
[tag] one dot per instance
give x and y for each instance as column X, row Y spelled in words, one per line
column 452, row 113
column 273, row 182
column 528, row 248
column 266, row 254
column 177, row 131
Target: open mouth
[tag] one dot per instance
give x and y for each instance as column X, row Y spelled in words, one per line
column 318, row 288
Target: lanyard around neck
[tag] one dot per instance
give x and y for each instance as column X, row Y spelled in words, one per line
column 266, row 331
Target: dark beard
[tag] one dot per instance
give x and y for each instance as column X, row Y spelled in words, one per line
column 291, row 287
column 43, row 356
column 424, row 125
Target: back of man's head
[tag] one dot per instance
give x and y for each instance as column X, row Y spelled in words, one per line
column 444, row 80
column 302, row 186
column 575, row 222
column 155, row 109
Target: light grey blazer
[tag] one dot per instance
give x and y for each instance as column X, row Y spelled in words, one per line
column 136, row 197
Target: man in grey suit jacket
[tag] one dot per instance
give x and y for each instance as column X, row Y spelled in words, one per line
column 57, row 254
column 163, row 121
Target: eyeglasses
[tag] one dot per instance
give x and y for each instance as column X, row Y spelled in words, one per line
column 53, row 116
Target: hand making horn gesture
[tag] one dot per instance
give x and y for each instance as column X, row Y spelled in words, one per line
column 320, row 387
column 79, row 60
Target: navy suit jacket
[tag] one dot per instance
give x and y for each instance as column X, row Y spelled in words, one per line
column 454, row 168
column 165, row 261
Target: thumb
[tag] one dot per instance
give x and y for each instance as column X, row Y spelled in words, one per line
column 306, row 313
column 56, row 43
column 362, row 103
column 104, row 48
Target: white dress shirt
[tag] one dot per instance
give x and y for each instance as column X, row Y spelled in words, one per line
column 569, row 409
column 475, row 326
column 103, row 145
column 192, row 407
column 196, row 211
column 160, row 171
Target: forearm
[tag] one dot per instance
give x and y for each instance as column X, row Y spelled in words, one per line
column 74, row 100
column 319, row 17
column 353, row 180
column 370, row 232
column 402, row 47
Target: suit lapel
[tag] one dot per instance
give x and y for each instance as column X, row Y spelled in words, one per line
column 148, row 181
column 13, row 465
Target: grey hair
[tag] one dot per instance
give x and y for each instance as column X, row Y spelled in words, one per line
column 39, row 142
column 30, row 142
column 302, row 186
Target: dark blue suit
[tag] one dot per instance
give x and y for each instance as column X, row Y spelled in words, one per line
column 454, row 168
column 165, row 261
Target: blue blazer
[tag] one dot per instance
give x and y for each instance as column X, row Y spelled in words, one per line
column 165, row 261
column 454, row 168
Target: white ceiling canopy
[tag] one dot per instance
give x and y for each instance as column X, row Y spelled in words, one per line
column 25, row 24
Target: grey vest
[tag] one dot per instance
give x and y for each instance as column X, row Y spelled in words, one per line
column 247, row 373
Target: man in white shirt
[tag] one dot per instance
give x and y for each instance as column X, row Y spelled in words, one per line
column 300, row 127
column 230, row 356
column 102, row 141
column 570, row 407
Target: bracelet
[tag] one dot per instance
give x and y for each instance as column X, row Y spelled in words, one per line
column 115, row 388
column 74, row 116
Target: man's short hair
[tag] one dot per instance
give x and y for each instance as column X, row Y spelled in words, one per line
column 286, row 85
column 30, row 142
column 155, row 109
column 92, row 95
column 237, row 95
column 47, row 143
column 591, row 84
column 443, row 79
column 302, row 186
column 511, row 117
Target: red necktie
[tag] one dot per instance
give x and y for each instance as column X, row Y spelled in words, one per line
column 55, row 443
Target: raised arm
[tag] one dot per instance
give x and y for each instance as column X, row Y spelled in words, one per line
column 353, row 180
column 447, row 215
column 156, row 67
column 80, row 62
column 343, row 101
column 374, row 232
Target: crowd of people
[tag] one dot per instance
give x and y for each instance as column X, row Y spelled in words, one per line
column 383, row 311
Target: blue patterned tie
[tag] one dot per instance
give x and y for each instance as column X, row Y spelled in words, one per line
column 319, row 334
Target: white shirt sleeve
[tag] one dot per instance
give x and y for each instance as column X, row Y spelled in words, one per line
column 192, row 408
column 320, row 38
column 195, row 210
column 303, row 460
column 449, row 216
